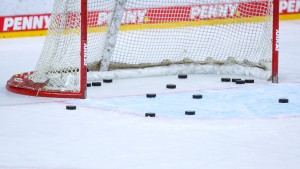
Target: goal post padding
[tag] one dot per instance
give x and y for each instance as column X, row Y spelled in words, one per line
column 129, row 38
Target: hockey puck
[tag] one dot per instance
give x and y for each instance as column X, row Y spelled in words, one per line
column 249, row 80
column 107, row 80
column 151, row 95
column 149, row 114
column 225, row 79
column 234, row 80
column 190, row 112
column 182, row 76
column 197, row 96
column 171, row 86
column 96, row 83
column 88, row 85
column 283, row 100
column 240, row 82
column 71, row 107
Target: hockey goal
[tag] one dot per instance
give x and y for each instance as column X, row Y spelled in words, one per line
column 127, row 38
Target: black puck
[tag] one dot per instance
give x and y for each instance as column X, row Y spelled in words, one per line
column 225, row 79
column 107, row 80
column 88, row 85
column 96, row 83
column 151, row 95
column 190, row 112
column 182, row 76
column 149, row 114
column 234, row 80
column 283, row 100
column 171, row 86
column 197, row 96
column 249, row 80
column 71, row 107
column 240, row 82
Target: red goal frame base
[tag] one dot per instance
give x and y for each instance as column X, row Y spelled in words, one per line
column 20, row 84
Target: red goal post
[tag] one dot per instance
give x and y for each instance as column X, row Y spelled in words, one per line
column 275, row 41
column 20, row 83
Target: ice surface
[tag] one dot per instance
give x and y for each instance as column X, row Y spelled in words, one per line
column 235, row 126
column 24, row 7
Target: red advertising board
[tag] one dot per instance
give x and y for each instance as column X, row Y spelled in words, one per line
column 144, row 15
column 24, row 22
column 289, row 7
column 40, row 22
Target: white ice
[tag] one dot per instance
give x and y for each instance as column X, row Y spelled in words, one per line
column 236, row 126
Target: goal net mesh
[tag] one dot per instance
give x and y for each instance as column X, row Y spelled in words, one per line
column 126, row 34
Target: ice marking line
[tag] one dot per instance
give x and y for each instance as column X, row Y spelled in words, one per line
column 15, row 167
column 25, row 104
column 141, row 115
column 113, row 111
column 179, row 91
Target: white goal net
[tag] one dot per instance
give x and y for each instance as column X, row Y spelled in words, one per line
column 156, row 37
